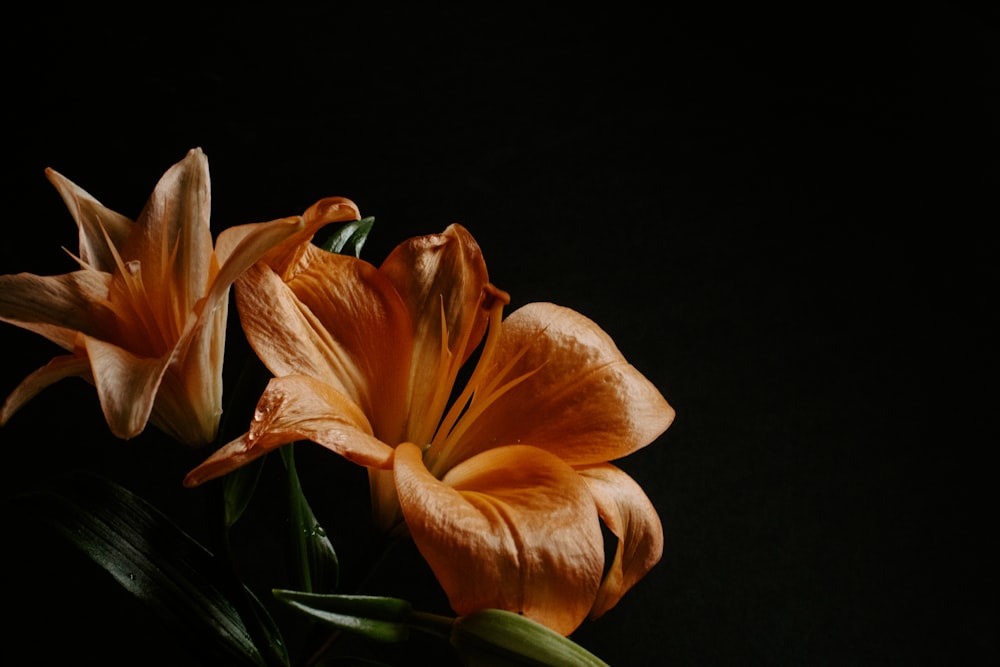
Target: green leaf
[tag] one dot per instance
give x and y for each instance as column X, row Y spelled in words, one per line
column 239, row 485
column 349, row 238
column 264, row 629
column 316, row 565
column 148, row 555
column 382, row 619
column 238, row 488
column 497, row 638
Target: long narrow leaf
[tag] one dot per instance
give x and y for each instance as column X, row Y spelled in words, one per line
column 239, row 485
column 497, row 637
column 148, row 555
column 238, row 488
column 382, row 619
column 315, row 560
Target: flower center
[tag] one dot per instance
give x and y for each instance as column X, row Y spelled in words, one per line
column 486, row 384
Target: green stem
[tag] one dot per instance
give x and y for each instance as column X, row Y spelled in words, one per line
column 327, row 645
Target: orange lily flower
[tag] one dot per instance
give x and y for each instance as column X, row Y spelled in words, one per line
column 504, row 488
column 144, row 317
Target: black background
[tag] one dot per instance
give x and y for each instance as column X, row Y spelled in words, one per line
column 748, row 200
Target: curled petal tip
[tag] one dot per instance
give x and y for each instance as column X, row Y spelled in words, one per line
column 493, row 295
column 224, row 460
column 191, row 480
column 332, row 209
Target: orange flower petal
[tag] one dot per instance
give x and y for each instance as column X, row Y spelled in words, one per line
column 628, row 513
column 238, row 248
column 442, row 278
column 57, row 369
column 126, row 386
column 57, row 307
column 151, row 301
column 339, row 320
column 100, row 227
column 513, row 528
column 294, row 408
column 173, row 242
column 229, row 457
column 576, row 395
column 285, row 257
column 193, row 383
column 190, row 393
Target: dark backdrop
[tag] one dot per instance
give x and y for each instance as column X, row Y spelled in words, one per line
column 741, row 198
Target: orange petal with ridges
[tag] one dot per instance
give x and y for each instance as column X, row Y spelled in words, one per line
column 126, row 385
column 239, row 247
column 578, row 397
column 349, row 326
column 286, row 257
column 58, row 307
column 629, row 514
column 172, row 241
column 441, row 278
column 295, row 408
column 100, row 228
column 513, row 528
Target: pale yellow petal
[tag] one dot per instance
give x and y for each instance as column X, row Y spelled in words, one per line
column 514, row 528
column 126, row 385
column 58, row 307
column 99, row 227
column 339, row 320
column 57, row 369
column 442, row 279
column 573, row 392
column 629, row 514
column 296, row 408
